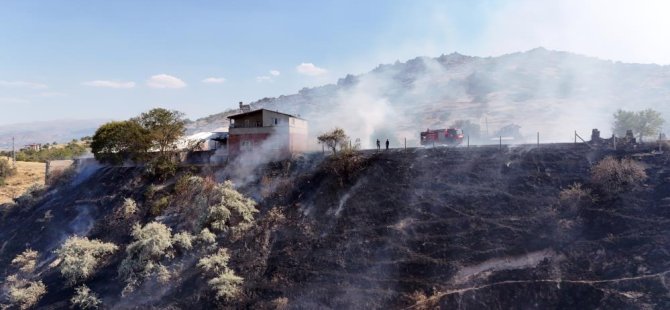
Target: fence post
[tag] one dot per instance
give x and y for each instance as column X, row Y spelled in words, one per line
column 538, row 139
column 614, row 139
column 468, row 141
column 501, row 142
column 575, row 137
column 405, row 143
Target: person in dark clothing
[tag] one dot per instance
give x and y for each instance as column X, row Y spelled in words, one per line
column 387, row 144
column 378, row 145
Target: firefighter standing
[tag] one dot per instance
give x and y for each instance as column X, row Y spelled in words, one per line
column 378, row 145
column 387, row 144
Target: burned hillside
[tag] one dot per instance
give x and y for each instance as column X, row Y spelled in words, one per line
column 476, row 227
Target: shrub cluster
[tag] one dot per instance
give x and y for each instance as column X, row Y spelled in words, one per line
column 615, row 176
column 80, row 257
column 24, row 293
column 85, row 299
column 234, row 210
column 6, row 170
column 151, row 244
column 21, row 290
column 223, row 279
column 26, row 261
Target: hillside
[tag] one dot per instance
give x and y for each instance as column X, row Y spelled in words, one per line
column 466, row 228
column 551, row 92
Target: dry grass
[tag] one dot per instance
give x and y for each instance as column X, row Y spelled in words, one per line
column 27, row 174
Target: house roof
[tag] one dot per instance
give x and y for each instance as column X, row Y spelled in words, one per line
column 260, row 110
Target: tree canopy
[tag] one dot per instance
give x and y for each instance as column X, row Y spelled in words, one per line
column 333, row 138
column 158, row 129
column 643, row 123
column 114, row 142
column 165, row 127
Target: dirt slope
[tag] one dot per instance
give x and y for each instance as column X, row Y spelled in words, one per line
column 469, row 228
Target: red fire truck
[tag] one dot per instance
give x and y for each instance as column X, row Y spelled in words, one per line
column 449, row 136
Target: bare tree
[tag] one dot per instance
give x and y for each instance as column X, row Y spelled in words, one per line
column 333, row 138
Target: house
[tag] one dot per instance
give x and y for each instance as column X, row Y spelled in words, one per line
column 267, row 131
column 32, row 147
column 205, row 141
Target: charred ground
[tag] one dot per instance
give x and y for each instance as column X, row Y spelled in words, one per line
column 471, row 228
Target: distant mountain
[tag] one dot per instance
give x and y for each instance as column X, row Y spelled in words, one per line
column 46, row 132
column 544, row 91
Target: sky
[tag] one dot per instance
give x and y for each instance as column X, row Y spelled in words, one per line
column 92, row 59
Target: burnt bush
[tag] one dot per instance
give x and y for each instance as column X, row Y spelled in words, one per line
column 614, row 176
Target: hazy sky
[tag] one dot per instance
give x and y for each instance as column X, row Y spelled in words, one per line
column 113, row 59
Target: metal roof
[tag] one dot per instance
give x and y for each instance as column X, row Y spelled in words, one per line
column 260, row 110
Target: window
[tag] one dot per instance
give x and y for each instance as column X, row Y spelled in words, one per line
column 246, row 145
column 276, row 121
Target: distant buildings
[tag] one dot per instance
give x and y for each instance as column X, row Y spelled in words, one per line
column 267, row 131
column 32, row 147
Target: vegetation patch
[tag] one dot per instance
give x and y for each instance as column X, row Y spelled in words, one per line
column 80, row 257
column 223, row 279
column 85, row 299
column 614, row 176
column 152, row 243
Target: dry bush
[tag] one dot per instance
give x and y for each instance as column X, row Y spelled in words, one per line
column 152, row 243
column 346, row 164
column 159, row 205
column 129, row 208
column 421, row 301
column 31, row 196
column 575, row 195
column 24, row 293
column 207, row 237
column 6, row 170
column 280, row 303
column 183, row 241
column 80, row 257
column 215, row 263
column 224, row 281
column 233, row 210
column 615, row 176
column 26, row 261
column 85, row 299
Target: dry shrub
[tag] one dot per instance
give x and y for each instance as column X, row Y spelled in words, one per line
column 6, row 170
column 26, row 261
column 233, row 210
column 151, row 244
column 24, row 293
column 85, row 299
column 31, row 196
column 575, row 195
column 183, row 240
column 80, row 257
column 60, row 177
column 223, row 279
column 346, row 165
column 615, row 176
column 159, row 205
column 207, row 237
column 421, row 301
column 280, row 303
column 129, row 208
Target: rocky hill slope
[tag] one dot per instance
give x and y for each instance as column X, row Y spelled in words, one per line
column 551, row 92
column 467, row 228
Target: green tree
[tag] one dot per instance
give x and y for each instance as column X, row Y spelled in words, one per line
column 165, row 128
column 333, row 138
column 643, row 123
column 114, row 142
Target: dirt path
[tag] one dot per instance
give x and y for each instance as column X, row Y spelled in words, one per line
column 529, row 260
